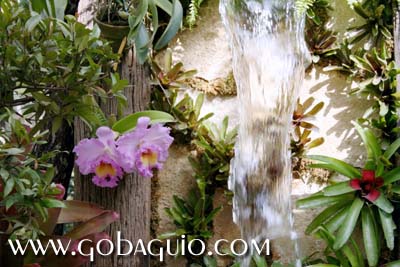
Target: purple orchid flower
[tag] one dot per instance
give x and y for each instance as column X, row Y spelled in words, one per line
column 101, row 157
column 145, row 148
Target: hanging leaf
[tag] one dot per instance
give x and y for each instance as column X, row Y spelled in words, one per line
column 173, row 26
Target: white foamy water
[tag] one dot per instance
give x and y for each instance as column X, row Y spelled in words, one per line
column 269, row 59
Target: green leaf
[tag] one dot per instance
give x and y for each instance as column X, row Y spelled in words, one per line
column 392, row 149
column 129, row 122
column 338, row 189
column 32, row 22
column 383, row 203
column 324, row 216
column 9, row 187
column 139, row 14
column 56, row 124
column 165, row 5
column 391, row 176
column 173, row 26
column 370, row 236
column 52, row 203
column 371, row 143
column 321, row 200
column 393, row 264
column 142, row 41
column 48, row 176
column 337, row 165
column 209, row 261
column 13, row 151
column 168, row 235
column 349, row 224
column 336, row 221
column 388, row 227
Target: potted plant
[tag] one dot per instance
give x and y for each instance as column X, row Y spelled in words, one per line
column 148, row 24
column 112, row 18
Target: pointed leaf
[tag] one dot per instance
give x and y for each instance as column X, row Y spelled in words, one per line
column 338, row 189
column 94, row 225
column 388, row 227
column 173, row 26
column 349, row 224
column 338, row 166
column 78, row 211
column 370, row 236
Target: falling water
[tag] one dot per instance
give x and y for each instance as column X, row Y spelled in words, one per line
column 269, row 58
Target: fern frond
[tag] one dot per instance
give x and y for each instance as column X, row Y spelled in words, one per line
column 193, row 12
column 302, row 6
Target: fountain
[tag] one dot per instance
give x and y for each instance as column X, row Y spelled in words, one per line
column 269, row 59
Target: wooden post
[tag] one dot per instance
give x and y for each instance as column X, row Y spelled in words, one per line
column 132, row 198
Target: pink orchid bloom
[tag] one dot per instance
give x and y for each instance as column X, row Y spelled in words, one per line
column 368, row 185
column 146, row 147
column 101, row 157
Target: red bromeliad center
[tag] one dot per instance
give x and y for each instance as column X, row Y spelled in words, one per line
column 368, row 185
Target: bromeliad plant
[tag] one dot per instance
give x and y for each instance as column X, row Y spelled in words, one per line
column 300, row 138
column 131, row 145
column 214, row 151
column 378, row 82
column 378, row 15
column 364, row 197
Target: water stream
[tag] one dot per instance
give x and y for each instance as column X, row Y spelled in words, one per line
column 269, row 59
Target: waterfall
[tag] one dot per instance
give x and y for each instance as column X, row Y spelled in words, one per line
column 269, row 59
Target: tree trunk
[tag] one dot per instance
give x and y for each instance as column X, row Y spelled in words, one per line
column 132, row 198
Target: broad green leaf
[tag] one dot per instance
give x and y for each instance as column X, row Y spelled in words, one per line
column 321, row 200
column 396, row 189
column 391, row 176
column 52, row 203
column 337, row 165
column 32, row 22
column 165, row 5
column 173, row 26
column 392, row 149
column 353, row 259
column 324, row 216
column 370, row 236
column 393, row 264
column 388, row 227
column 370, row 141
column 129, row 122
column 383, row 203
column 141, row 11
column 336, row 221
column 338, row 189
column 142, row 40
column 9, row 187
column 349, row 224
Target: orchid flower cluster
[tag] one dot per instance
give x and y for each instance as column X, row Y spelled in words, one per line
column 110, row 156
